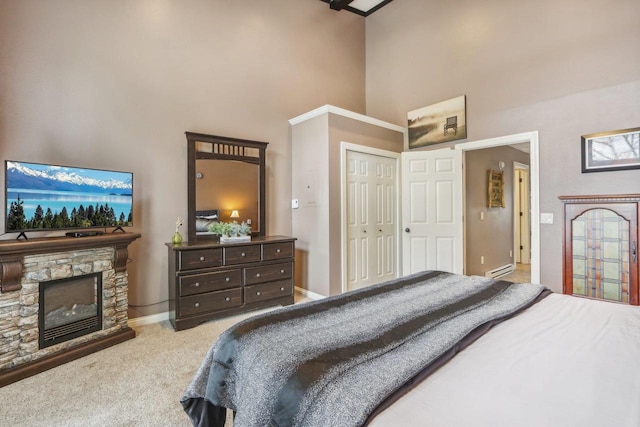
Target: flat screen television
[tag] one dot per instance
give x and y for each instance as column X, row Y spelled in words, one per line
column 41, row 197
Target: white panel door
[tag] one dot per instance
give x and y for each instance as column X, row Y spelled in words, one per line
column 371, row 223
column 432, row 211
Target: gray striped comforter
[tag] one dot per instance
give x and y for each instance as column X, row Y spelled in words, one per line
column 333, row 362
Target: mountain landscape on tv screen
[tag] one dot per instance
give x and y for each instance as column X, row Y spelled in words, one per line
column 46, row 197
column 20, row 175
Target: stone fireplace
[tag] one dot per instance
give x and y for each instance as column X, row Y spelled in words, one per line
column 62, row 298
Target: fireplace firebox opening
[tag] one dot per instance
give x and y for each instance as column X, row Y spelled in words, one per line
column 69, row 308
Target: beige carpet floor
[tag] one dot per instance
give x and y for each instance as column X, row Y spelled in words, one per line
column 135, row 383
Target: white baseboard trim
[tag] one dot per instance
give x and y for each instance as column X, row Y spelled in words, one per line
column 309, row 294
column 148, row 320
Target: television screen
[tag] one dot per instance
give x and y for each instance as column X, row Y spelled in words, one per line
column 50, row 197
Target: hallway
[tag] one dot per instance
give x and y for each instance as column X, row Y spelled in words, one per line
column 522, row 274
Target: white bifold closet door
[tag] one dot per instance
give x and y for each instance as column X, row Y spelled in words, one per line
column 371, row 219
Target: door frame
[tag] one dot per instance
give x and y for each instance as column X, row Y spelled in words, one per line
column 516, row 217
column 534, row 186
column 348, row 146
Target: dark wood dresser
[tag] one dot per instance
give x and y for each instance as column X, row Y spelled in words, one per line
column 208, row 280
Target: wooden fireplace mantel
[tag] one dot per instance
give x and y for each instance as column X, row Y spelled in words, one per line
column 13, row 251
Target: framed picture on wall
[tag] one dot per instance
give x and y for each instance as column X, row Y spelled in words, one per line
column 442, row 122
column 495, row 194
column 610, row 151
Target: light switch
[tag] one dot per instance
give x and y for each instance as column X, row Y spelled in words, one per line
column 294, row 204
column 546, row 218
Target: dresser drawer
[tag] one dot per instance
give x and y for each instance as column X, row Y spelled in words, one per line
column 208, row 282
column 267, row 291
column 211, row 301
column 241, row 254
column 268, row 273
column 199, row 258
column 277, row 250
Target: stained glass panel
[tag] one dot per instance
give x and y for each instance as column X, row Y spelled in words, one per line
column 600, row 247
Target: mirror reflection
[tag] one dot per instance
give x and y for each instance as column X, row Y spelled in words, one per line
column 226, row 182
column 222, row 187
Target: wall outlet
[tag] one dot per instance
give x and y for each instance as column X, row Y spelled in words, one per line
column 482, row 260
column 511, row 254
column 481, row 215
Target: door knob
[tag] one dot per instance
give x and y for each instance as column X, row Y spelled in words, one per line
column 408, row 230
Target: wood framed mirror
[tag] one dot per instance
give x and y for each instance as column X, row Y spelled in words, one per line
column 225, row 176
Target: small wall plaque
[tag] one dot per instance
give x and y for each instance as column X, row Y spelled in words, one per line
column 495, row 195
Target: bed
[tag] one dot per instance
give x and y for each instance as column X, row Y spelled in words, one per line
column 384, row 355
column 204, row 219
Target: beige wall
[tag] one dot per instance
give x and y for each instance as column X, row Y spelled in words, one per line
column 115, row 84
column 564, row 69
column 310, row 177
column 316, row 184
column 493, row 236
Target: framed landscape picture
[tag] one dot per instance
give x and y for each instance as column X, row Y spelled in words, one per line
column 609, row 151
column 442, row 122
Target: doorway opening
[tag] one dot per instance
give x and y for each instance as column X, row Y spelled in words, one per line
column 526, row 141
column 521, row 224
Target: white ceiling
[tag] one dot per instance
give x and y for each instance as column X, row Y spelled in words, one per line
column 524, row 146
column 359, row 7
column 365, row 5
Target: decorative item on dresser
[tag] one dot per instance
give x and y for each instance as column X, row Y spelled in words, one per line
column 600, row 249
column 208, row 280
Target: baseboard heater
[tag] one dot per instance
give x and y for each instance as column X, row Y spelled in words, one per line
column 500, row 271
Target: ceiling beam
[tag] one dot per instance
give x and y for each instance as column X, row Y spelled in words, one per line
column 339, row 4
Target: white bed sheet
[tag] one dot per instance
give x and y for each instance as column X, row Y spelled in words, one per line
column 566, row 361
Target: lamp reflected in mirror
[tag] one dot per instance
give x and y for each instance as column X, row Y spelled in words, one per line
column 234, row 214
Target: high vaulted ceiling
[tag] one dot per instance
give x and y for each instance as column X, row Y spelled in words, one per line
column 360, row 7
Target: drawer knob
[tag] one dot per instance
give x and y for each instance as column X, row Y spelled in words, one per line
column 196, row 305
column 201, row 258
column 257, row 274
column 242, row 254
column 227, row 299
column 226, row 279
column 258, row 293
column 282, row 289
column 197, row 284
column 282, row 271
column 277, row 251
